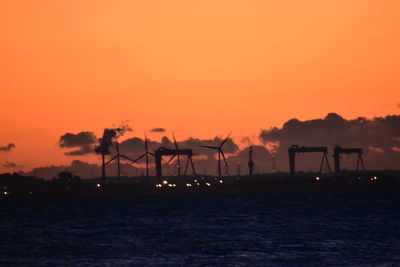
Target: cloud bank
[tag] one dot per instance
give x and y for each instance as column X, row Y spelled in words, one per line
column 379, row 137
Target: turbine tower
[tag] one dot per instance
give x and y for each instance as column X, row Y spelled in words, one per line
column 117, row 157
column 251, row 163
column 146, row 155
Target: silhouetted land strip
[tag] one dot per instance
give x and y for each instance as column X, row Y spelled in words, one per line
column 12, row 185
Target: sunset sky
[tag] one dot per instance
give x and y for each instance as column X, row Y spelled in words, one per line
column 198, row 68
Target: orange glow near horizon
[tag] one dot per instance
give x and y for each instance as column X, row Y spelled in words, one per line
column 200, row 68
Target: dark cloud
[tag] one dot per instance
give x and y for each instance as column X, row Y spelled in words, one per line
column 10, row 165
column 246, row 140
column 77, row 140
column 260, row 155
column 122, row 129
column 379, row 137
column 84, row 141
column 81, row 152
column 135, row 145
column 106, row 141
column 262, row 159
column 7, row 148
column 157, row 130
column 229, row 147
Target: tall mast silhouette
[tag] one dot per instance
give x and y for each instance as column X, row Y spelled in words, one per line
column 251, row 163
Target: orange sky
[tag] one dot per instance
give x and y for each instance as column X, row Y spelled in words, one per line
column 200, row 68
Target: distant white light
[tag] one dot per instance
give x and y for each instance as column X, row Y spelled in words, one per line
column 173, row 185
column 5, row 193
column 197, row 183
column 98, row 185
column 220, row 181
column 317, row 178
column 165, row 182
column 188, row 185
column 208, row 184
column 170, row 185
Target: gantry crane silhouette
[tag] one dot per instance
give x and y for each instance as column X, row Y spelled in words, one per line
column 294, row 149
column 339, row 150
column 162, row 151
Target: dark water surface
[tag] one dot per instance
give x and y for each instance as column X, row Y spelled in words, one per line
column 286, row 229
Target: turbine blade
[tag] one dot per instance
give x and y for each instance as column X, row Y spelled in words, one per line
column 110, row 160
column 211, row 147
column 176, row 143
column 139, row 158
column 226, row 139
column 169, row 160
column 223, row 156
column 126, row 157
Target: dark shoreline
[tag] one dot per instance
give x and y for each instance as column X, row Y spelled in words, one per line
column 347, row 182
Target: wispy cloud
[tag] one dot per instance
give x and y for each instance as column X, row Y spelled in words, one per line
column 157, row 130
column 10, row 165
column 7, row 148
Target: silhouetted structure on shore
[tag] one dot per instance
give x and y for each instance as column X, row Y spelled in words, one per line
column 69, row 185
column 294, row 149
column 339, row 150
column 146, row 155
column 220, row 153
column 178, row 165
column 251, row 163
column 162, row 151
column 117, row 157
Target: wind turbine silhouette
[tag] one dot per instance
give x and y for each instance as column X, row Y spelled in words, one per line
column 145, row 154
column 188, row 153
column 177, row 156
column 118, row 156
column 220, row 153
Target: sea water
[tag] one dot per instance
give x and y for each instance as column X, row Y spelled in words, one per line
column 273, row 229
